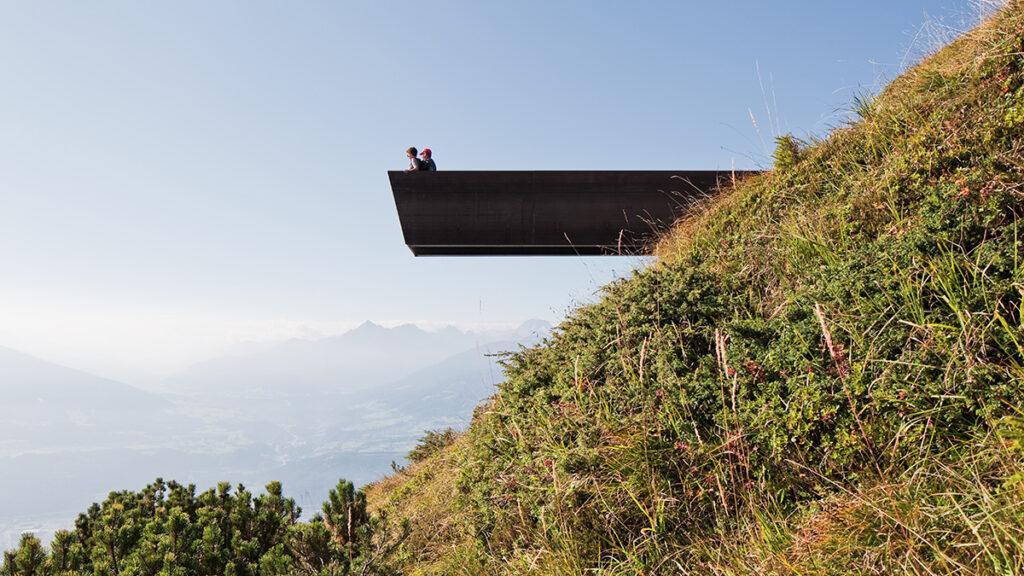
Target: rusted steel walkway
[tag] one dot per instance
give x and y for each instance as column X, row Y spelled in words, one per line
column 544, row 213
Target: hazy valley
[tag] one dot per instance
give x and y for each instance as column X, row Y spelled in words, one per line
column 304, row 412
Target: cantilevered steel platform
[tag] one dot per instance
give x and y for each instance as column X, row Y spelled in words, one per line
column 545, row 213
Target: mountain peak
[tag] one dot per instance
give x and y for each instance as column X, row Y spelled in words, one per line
column 368, row 326
column 534, row 327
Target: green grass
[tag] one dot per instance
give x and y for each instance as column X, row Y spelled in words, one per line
column 814, row 378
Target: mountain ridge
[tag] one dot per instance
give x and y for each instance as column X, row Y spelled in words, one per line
column 368, row 356
column 28, row 379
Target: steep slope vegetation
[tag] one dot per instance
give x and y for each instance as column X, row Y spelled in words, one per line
column 820, row 375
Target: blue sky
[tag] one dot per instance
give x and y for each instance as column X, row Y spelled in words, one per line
column 179, row 176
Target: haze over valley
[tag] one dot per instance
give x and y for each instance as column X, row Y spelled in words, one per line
column 304, row 412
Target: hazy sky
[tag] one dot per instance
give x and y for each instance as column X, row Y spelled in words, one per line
column 179, row 176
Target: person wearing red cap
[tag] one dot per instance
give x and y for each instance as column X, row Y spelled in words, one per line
column 428, row 161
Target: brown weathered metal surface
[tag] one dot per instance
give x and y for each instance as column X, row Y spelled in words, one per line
column 544, row 213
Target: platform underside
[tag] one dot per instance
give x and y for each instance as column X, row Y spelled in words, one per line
column 545, row 213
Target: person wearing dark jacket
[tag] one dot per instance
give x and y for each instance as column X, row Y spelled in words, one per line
column 427, row 162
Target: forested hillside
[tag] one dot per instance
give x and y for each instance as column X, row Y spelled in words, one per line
column 823, row 373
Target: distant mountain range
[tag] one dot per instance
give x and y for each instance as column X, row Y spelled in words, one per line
column 306, row 412
column 47, row 407
column 449, row 390
column 26, row 380
column 364, row 358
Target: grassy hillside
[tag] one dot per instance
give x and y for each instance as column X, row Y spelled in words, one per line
column 822, row 373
